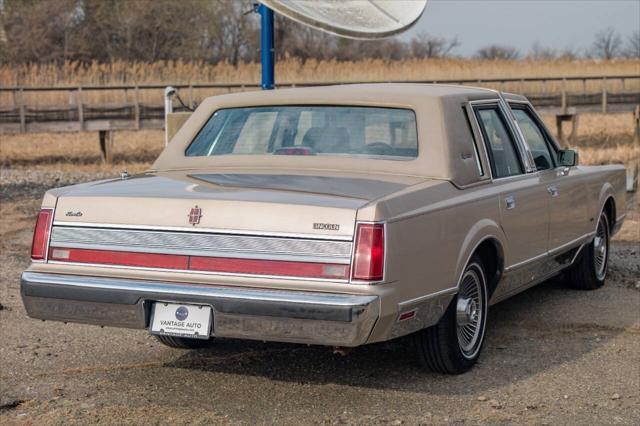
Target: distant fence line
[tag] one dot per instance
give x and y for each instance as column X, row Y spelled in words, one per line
column 562, row 96
column 480, row 81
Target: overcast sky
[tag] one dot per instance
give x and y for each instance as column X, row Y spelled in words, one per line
column 520, row 23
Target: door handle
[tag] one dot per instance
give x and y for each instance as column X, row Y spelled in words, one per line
column 553, row 190
column 510, row 202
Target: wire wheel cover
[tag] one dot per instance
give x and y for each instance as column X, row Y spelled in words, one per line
column 470, row 313
column 601, row 249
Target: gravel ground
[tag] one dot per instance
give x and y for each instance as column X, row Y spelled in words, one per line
column 552, row 355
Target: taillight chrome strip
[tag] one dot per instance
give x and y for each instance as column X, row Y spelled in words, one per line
column 202, row 230
column 203, row 244
column 199, row 263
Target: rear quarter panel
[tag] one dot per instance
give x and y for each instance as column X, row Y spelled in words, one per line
column 604, row 182
column 432, row 230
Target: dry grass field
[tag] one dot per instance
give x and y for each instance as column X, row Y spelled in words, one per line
column 601, row 139
column 294, row 71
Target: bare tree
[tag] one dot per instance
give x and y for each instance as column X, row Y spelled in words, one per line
column 632, row 48
column 496, row 51
column 220, row 30
column 570, row 53
column 425, row 45
column 303, row 42
column 542, row 53
column 607, row 44
column 39, row 31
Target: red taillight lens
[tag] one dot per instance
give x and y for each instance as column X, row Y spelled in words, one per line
column 368, row 258
column 269, row 267
column 41, row 234
column 201, row 263
column 125, row 258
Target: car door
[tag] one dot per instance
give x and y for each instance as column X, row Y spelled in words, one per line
column 523, row 198
column 567, row 193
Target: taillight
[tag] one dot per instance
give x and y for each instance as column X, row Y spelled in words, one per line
column 41, row 234
column 368, row 257
column 201, row 263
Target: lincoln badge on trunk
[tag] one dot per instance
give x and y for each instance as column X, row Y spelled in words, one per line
column 194, row 215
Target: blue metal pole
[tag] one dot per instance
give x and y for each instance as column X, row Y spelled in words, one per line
column 266, row 46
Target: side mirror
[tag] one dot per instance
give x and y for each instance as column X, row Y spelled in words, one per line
column 567, row 158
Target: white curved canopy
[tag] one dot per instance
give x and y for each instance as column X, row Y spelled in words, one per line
column 364, row 19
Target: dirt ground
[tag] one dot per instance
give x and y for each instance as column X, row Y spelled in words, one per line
column 552, row 356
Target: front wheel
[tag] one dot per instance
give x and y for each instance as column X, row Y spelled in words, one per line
column 453, row 345
column 590, row 269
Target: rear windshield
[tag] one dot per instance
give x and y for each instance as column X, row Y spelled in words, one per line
column 309, row 130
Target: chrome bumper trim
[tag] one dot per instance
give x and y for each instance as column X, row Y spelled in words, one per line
column 276, row 315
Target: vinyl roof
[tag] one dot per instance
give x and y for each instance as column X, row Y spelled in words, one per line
column 405, row 93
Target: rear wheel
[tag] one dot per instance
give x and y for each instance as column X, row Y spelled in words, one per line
column 590, row 270
column 453, row 345
column 183, row 342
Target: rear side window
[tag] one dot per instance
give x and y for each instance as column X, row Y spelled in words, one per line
column 536, row 138
column 499, row 140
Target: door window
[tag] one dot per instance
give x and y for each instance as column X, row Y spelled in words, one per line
column 536, row 138
column 500, row 145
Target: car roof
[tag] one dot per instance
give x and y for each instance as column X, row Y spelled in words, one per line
column 445, row 140
column 398, row 93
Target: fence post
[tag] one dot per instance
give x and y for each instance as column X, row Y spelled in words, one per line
column 564, row 96
column 604, row 95
column 191, row 96
column 23, row 117
column 136, row 107
column 632, row 169
column 14, row 99
column 80, row 108
column 106, row 145
column 636, row 120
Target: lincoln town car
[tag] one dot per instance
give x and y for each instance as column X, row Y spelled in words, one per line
column 336, row 216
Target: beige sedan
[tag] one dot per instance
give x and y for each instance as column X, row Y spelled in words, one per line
column 336, row 216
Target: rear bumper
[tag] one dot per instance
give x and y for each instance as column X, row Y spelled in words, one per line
column 283, row 316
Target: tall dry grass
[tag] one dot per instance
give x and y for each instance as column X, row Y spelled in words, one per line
column 293, row 71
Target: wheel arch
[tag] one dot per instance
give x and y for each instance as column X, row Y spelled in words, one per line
column 606, row 203
column 609, row 209
column 487, row 240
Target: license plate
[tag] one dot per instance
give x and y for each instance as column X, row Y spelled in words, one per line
column 173, row 319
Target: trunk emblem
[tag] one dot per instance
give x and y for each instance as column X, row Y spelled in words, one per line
column 194, row 215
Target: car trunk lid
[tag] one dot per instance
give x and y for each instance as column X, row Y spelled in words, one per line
column 240, row 203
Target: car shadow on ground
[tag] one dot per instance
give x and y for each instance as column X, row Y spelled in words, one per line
column 527, row 334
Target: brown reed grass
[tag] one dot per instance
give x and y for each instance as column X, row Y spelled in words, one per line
column 294, row 71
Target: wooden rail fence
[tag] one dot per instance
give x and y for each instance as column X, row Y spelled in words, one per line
column 565, row 97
